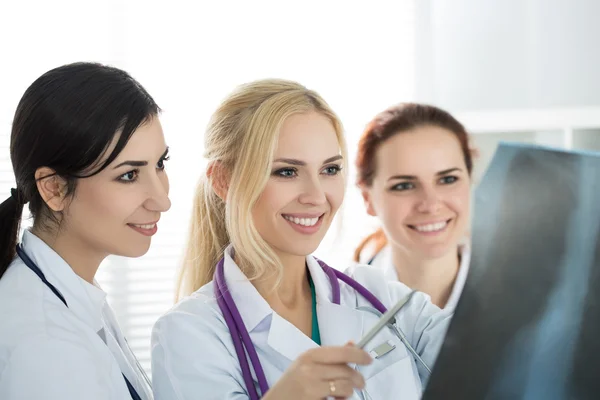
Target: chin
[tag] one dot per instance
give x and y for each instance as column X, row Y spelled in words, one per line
column 133, row 251
column 299, row 249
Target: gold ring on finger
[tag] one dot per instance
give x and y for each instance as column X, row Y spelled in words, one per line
column 332, row 387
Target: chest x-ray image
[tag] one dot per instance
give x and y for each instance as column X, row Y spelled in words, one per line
column 528, row 323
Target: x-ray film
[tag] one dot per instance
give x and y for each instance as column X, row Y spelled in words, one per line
column 528, row 323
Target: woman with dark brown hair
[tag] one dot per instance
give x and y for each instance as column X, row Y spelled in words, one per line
column 414, row 169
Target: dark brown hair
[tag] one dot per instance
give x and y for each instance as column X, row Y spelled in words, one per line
column 397, row 119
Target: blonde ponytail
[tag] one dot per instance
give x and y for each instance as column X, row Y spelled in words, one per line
column 207, row 239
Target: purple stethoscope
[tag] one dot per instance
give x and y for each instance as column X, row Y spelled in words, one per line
column 240, row 336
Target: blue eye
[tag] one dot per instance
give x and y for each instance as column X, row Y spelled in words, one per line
column 448, row 179
column 403, row 186
column 285, row 173
column 129, row 177
column 333, row 170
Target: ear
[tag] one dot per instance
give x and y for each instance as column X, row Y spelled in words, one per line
column 52, row 188
column 219, row 178
column 366, row 195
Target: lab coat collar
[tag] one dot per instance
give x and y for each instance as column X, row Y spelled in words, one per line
column 252, row 306
column 337, row 323
column 85, row 300
column 461, row 277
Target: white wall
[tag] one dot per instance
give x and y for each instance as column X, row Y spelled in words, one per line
column 513, row 70
column 485, row 54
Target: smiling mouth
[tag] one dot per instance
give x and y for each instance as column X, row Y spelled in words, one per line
column 145, row 229
column 304, row 221
column 431, row 228
column 144, row 226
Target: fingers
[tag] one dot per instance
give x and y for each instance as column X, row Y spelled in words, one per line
column 339, row 355
column 337, row 388
column 324, row 371
column 335, row 372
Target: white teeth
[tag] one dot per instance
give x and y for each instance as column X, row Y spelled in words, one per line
column 431, row 227
column 151, row 226
column 302, row 221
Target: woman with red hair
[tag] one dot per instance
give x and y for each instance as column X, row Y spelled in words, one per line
column 414, row 169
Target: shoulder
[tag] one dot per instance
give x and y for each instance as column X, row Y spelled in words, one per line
column 28, row 310
column 196, row 317
column 40, row 365
column 35, row 348
column 35, row 336
column 201, row 304
column 192, row 350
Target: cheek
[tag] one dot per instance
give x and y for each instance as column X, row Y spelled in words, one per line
column 460, row 201
column 334, row 191
column 396, row 209
column 103, row 204
column 272, row 200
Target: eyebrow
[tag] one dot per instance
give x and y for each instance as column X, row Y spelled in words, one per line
column 136, row 163
column 414, row 178
column 302, row 163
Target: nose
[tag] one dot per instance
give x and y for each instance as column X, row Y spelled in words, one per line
column 313, row 193
column 429, row 201
column 158, row 194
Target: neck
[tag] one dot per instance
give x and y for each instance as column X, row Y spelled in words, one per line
column 293, row 286
column 434, row 277
column 74, row 251
column 292, row 297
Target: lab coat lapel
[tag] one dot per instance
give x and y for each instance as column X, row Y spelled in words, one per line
column 338, row 323
column 253, row 308
column 288, row 340
column 117, row 343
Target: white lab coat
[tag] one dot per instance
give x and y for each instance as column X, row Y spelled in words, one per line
column 49, row 351
column 193, row 356
column 383, row 261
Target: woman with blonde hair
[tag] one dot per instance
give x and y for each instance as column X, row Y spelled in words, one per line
column 414, row 165
column 265, row 319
